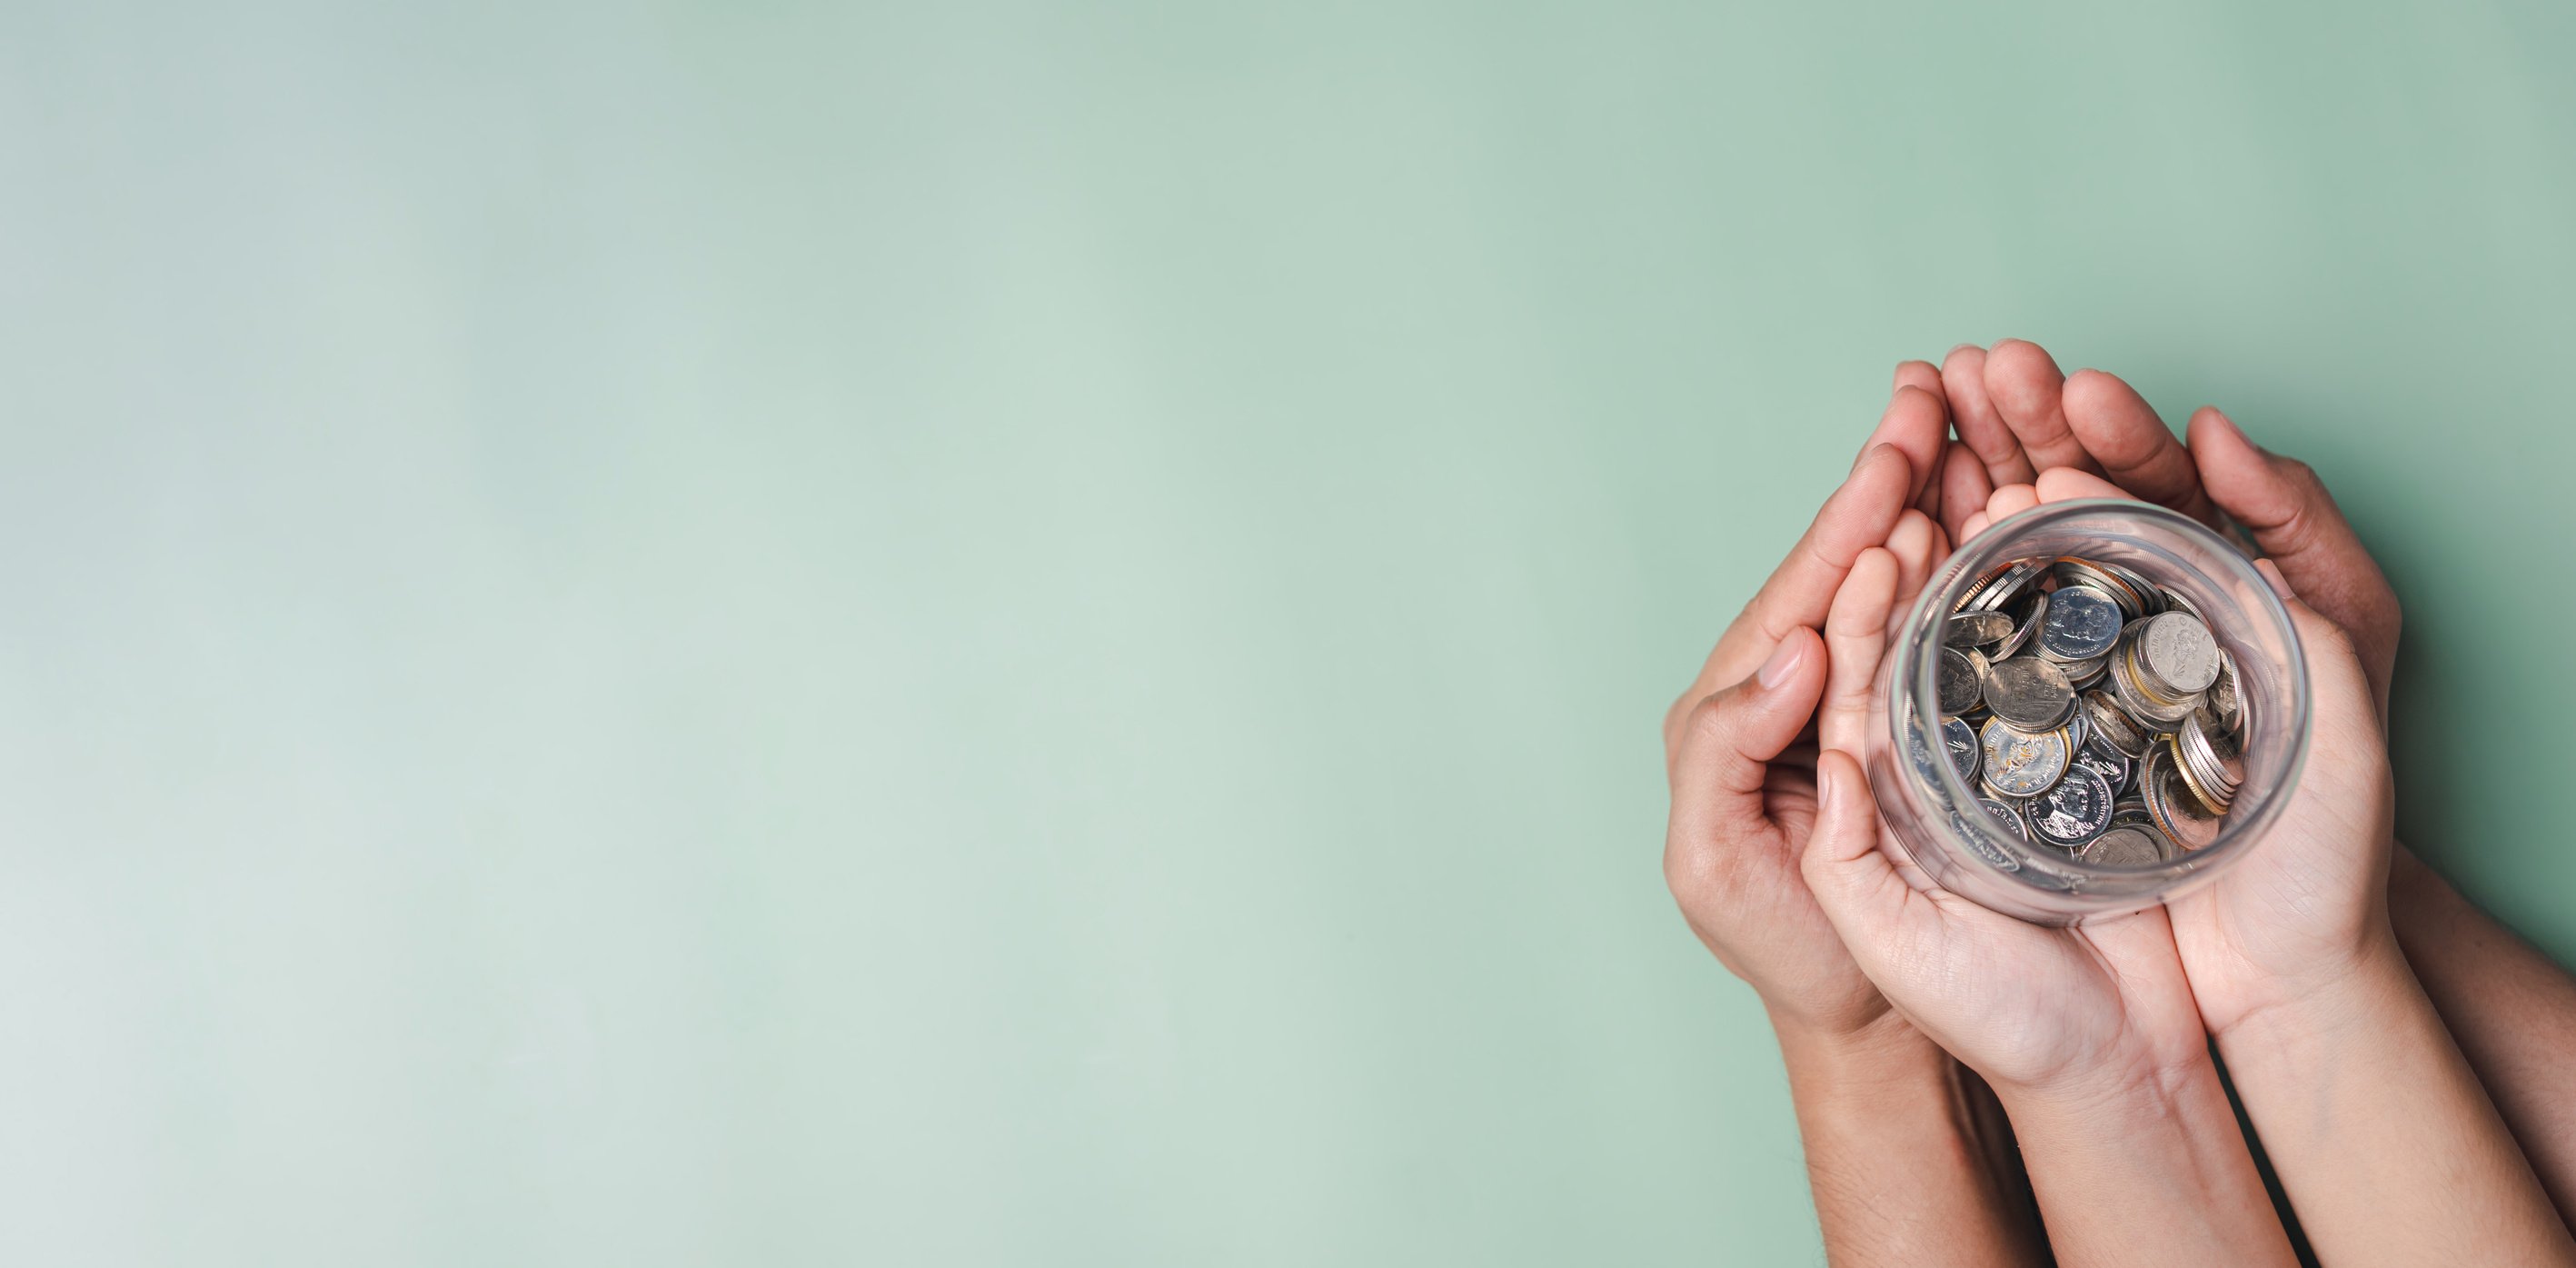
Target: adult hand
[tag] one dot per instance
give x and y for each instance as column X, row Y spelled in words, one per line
column 2017, row 416
column 1743, row 785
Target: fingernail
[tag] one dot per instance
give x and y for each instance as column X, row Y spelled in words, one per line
column 2272, row 573
column 1784, row 660
column 1831, row 789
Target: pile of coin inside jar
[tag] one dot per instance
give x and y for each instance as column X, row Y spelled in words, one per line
column 2092, row 710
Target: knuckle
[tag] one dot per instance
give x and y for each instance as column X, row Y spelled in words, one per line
column 1710, row 722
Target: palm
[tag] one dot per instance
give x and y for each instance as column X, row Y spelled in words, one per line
column 2296, row 906
column 1760, row 921
column 2030, row 1004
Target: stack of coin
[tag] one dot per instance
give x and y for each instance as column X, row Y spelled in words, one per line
column 2094, row 710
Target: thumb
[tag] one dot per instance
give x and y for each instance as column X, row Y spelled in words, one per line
column 1856, row 883
column 1730, row 738
column 2296, row 522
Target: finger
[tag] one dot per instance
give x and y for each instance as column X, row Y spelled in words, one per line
column 2011, row 500
column 2339, row 683
column 1922, row 374
column 1918, row 545
column 2296, row 522
column 1974, row 525
column 1981, row 429
column 1855, row 641
column 1916, row 422
column 2028, row 391
column 1853, row 880
column 2064, row 484
column 1964, row 488
column 2137, row 451
column 1859, row 515
column 1730, row 737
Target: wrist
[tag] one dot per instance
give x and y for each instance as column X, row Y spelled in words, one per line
column 2356, row 998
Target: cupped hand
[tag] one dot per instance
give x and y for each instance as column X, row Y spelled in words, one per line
column 1739, row 750
column 2034, row 1009
column 2310, row 904
column 2017, row 417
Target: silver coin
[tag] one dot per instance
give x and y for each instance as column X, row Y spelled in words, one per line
column 2078, row 572
column 2073, row 811
column 2176, row 601
column 2009, row 587
column 2171, row 804
column 1957, row 685
column 2224, row 701
column 1975, row 629
column 2223, row 742
column 2081, row 623
column 1977, row 589
column 2026, row 622
column 2115, row 728
column 2178, row 650
column 2004, row 814
column 2155, row 712
column 2019, row 765
column 2081, row 674
column 1963, row 748
column 1920, row 750
column 2097, row 755
column 1978, row 845
column 2209, row 772
column 2123, row 847
column 2029, row 693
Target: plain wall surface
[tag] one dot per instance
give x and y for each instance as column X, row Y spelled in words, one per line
column 954, row 633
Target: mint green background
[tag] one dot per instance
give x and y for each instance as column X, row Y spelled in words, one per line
column 1005, row 634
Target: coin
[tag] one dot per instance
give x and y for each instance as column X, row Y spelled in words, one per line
column 2019, row 765
column 2115, row 728
column 2025, row 622
column 2123, row 847
column 2225, row 704
column 2130, row 690
column 2070, row 571
column 1978, row 845
column 1977, row 589
column 2179, row 652
column 2107, row 719
column 2213, row 777
column 2009, row 587
column 1975, row 629
column 2151, row 597
column 2080, row 623
column 2029, row 694
column 1963, row 747
column 2073, row 811
column 1958, row 684
column 2171, row 804
column 2004, row 814
column 2097, row 756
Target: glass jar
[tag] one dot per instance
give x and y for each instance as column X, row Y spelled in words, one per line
column 1933, row 814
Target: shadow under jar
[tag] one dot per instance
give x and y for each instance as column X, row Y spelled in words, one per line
column 1934, row 799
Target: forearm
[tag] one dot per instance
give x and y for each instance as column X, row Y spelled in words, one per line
column 2512, row 1011
column 1903, row 1169
column 2146, row 1170
column 2380, row 1132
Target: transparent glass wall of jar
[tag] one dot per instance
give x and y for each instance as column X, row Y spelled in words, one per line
column 1931, row 814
